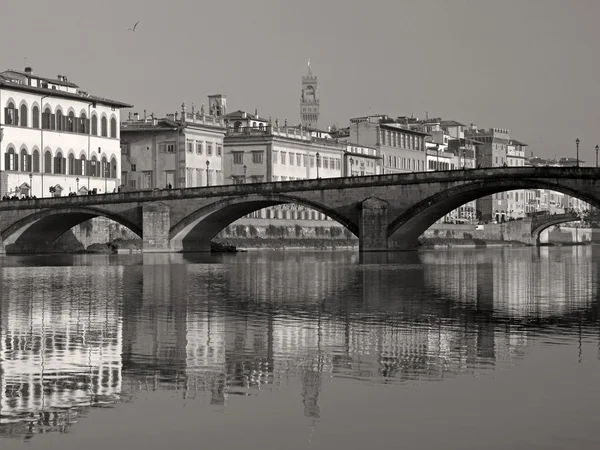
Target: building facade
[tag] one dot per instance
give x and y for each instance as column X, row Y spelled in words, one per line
column 185, row 149
column 56, row 139
column 401, row 149
column 492, row 152
column 255, row 155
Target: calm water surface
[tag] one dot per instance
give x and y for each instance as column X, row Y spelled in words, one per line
column 457, row 349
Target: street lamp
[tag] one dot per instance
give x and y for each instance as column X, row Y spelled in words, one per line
column 351, row 167
column 207, row 164
column 31, row 177
column 577, row 144
column 245, row 169
column 318, row 162
column 77, row 180
column 596, row 156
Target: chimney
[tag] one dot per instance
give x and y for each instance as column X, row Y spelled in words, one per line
column 129, row 118
column 136, row 116
column 144, row 115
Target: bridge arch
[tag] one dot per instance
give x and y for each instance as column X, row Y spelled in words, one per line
column 195, row 231
column 38, row 231
column 539, row 226
column 405, row 229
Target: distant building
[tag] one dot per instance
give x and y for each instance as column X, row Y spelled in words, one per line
column 182, row 150
column 309, row 101
column 517, row 201
column 56, row 139
column 491, row 153
column 279, row 153
column 401, row 149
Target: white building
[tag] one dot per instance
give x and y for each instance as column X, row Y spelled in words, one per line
column 182, row 150
column 268, row 153
column 56, row 139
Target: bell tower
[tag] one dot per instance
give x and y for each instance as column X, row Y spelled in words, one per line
column 309, row 102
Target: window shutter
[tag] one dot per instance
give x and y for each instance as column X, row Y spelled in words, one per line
column 64, row 166
column 6, row 118
column 53, row 121
column 16, row 113
column 86, row 125
column 29, row 161
column 6, row 160
column 16, row 160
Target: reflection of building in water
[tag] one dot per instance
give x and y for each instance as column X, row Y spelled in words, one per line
column 155, row 327
column 56, row 356
column 510, row 282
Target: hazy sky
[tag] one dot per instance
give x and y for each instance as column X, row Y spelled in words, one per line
column 531, row 66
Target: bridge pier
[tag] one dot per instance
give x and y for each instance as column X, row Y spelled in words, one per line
column 156, row 224
column 373, row 226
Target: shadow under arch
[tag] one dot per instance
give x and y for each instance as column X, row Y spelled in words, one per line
column 537, row 231
column 406, row 229
column 195, row 232
column 38, row 231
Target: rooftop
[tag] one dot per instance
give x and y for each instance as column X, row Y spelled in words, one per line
column 239, row 114
column 16, row 80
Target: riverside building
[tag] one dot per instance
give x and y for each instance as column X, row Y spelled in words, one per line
column 55, row 138
column 184, row 149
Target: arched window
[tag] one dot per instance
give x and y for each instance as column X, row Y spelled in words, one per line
column 47, row 162
column 58, row 163
column 23, row 115
column 11, row 115
column 94, row 171
column 10, row 161
column 71, row 164
column 60, row 122
column 83, row 124
column 113, row 168
column 47, row 120
column 95, row 125
column 113, row 128
column 35, row 117
column 104, row 124
column 70, row 122
column 104, row 173
column 36, row 161
column 25, row 161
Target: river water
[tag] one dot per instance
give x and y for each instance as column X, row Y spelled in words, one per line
column 454, row 349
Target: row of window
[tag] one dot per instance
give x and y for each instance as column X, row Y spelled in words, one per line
column 24, row 162
column 199, row 147
column 58, row 121
column 398, row 139
column 405, row 163
column 301, row 160
column 440, row 165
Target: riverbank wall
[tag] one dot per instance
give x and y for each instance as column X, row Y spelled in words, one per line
column 102, row 234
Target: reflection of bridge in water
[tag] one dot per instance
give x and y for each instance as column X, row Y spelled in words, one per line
column 215, row 330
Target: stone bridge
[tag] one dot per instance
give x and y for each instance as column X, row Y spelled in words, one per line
column 540, row 223
column 386, row 212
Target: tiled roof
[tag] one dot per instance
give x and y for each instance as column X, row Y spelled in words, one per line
column 398, row 126
column 49, row 80
column 451, row 123
column 56, row 93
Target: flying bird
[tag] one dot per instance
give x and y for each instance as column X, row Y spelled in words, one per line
column 134, row 27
